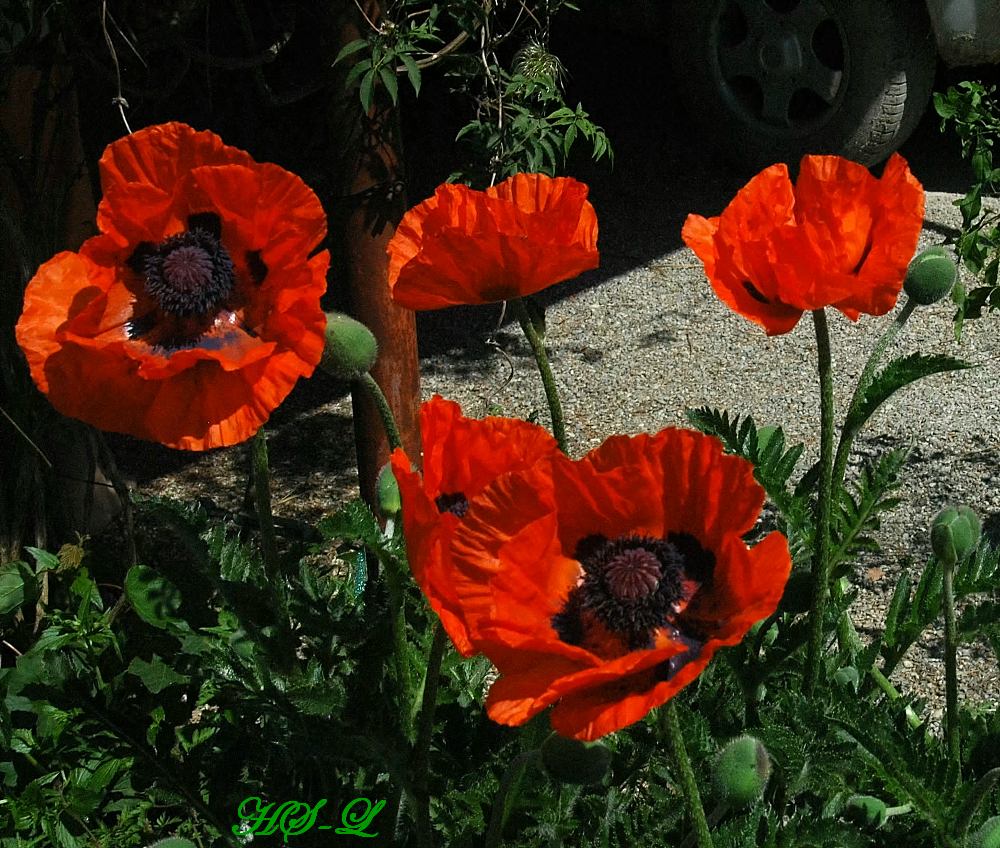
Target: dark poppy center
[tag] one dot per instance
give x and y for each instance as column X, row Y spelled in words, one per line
column 632, row 587
column 454, row 502
column 189, row 274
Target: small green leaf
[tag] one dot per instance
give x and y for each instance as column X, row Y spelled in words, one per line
column 173, row 842
column 351, row 48
column 44, row 561
column 156, row 675
column 11, row 590
column 367, row 89
column 388, row 77
column 154, row 598
column 412, row 71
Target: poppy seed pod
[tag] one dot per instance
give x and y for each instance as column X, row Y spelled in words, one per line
column 351, row 349
column 988, row 836
column 955, row 534
column 571, row 761
column 742, row 771
column 867, row 810
column 930, row 276
column 387, row 489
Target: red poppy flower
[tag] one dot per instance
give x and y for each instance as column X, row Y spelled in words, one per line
column 838, row 238
column 189, row 319
column 461, row 456
column 468, row 247
column 603, row 586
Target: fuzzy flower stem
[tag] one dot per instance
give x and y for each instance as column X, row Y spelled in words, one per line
column 670, row 727
column 384, row 410
column 951, row 667
column 821, row 558
column 262, row 502
column 425, row 729
column 848, row 434
column 548, row 380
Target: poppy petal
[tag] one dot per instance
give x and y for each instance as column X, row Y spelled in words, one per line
column 468, row 247
column 141, row 177
column 839, row 238
column 208, row 372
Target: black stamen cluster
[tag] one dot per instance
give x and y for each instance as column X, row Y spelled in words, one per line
column 453, row 502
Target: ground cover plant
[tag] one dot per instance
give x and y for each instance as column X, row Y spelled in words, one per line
column 649, row 644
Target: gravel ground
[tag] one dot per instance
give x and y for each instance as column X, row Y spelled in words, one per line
column 643, row 338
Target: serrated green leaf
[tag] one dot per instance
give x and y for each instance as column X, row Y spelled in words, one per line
column 897, row 374
column 900, row 602
column 173, row 842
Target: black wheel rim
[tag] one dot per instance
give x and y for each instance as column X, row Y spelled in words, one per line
column 781, row 63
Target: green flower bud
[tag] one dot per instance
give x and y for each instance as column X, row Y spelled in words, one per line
column 387, row 489
column 988, row 836
column 351, row 349
column 930, row 276
column 955, row 534
column 866, row 810
column 572, row 761
column 741, row 771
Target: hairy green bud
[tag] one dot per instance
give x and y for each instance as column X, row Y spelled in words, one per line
column 572, row 761
column 867, row 810
column 351, row 349
column 387, row 490
column 955, row 534
column 930, row 276
column 988, row 836
column 741, row 771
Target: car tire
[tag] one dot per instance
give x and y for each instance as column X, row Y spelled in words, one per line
column 771, row 80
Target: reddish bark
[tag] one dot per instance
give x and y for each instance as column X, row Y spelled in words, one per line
column 368, row 146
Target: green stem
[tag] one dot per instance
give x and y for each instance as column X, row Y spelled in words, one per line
column 821, row 558
column 980, row 793
column 671, row 728
column 511, row 777
column 425, row 729
column 548, row 380
column 849, row 433
column 951, row 667
column 262, row 502
column 394, row 584
column 384, row 410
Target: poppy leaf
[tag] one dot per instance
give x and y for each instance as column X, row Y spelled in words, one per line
column 900, row 602
column 897, row 374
